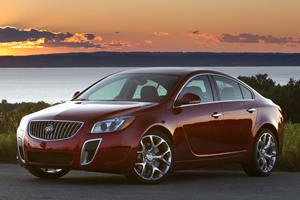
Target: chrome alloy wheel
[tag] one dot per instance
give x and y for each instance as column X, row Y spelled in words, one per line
column 154, row 158
column 266, row 152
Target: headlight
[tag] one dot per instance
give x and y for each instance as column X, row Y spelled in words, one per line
column 112, row 125
column 22, row 126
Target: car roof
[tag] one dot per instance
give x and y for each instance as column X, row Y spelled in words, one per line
column 178, row 71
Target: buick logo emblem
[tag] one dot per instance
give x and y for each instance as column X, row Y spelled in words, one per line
column 49, row 129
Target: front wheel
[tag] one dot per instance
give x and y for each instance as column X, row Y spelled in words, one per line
column 155, row 159
column 264, row 155
column 47, row 173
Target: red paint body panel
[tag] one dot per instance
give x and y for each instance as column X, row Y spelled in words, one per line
column 199, row 138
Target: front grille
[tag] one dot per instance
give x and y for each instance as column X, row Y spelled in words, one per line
column 54, row 130
column 50, row 158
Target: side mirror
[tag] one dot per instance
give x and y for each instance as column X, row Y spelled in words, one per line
column 75, row 94
column 188, row 98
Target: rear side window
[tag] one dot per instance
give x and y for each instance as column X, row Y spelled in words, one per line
column 246, row 93
column 228, row 89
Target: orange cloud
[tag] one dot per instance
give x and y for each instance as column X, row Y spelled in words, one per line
column 119, row 44
column 192, row 33
column 151, row 43
column 205, row 43
column 34, row 38
column 161, row 33
column 11, row 37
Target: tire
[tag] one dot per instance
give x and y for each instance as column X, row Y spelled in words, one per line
column 264, row 155
column 47, row 173
column 155, row 159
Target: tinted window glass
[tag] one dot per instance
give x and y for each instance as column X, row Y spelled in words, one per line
column 160, row 89
column 109, row 91
column 132, row 87
column 228, row 89
column 246, row 93
column 200, row 86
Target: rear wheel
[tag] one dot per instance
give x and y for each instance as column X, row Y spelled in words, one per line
column 264, row 155
column 47, row 173
column 155, row 159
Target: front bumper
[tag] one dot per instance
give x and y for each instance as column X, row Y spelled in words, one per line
column 111, row 152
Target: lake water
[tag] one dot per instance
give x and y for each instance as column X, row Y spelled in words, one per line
column 53, row 85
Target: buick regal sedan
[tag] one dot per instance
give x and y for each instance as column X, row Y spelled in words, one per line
column 146, row 123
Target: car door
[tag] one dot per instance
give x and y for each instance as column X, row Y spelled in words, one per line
column 202, row 122
column 239, row 113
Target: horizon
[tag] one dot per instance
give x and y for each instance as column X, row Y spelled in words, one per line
column 150, row 52
column 211, row 26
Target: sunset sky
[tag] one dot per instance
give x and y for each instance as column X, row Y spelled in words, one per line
column 60, row 26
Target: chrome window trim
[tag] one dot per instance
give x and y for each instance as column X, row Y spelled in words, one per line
column 238, row 82
column 213, row 87
column 29, row 123
column 236, row 100
column 204, row 74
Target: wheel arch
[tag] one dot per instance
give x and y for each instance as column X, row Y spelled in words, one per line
column 163, row 130
column 271, row 128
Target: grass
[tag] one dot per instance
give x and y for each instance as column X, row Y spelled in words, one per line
column 8, row 148
column 290, row 158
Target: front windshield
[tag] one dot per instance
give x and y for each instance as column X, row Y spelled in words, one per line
column 131, row 87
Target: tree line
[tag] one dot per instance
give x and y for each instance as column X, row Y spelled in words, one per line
column 286, row 96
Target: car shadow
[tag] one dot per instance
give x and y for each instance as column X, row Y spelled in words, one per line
column 93, row 178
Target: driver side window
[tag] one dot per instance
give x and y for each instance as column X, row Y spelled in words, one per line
column 199, row 86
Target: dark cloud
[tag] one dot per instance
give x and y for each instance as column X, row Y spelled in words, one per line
column 32, row 38
column 251, row 38
column 241, row 38
column 291, row 45
column 89, row 36
column 192, row 33
column 117, row 32
column 246, row 38
column 11, row 34
column 26, row 38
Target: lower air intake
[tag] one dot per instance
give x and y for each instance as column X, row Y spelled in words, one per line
column 50, row 158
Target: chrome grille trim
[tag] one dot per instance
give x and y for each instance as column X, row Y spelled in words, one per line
column 62, row 129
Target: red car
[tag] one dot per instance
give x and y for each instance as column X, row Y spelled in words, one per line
column 146, row 123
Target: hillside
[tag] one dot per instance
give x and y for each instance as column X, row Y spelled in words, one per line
column 148, row 59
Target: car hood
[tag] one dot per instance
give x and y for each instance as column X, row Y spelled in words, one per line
column 90, row 111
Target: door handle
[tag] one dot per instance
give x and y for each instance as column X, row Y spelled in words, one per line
column 250, row 110
column 216, row 115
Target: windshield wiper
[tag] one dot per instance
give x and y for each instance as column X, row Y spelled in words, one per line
column 80, row 100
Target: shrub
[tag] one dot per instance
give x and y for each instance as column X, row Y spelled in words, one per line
column 290, row 158
column 8, row 148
